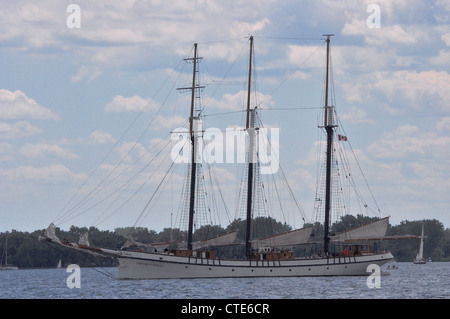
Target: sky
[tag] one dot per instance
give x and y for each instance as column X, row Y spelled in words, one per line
column 81, row 80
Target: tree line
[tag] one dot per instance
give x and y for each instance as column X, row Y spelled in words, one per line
column 25, row 251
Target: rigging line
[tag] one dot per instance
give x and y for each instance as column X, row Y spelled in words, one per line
column 129, row 183
column 223, row 113
column 81, row 202
column 90, row 194
column 359, row 166
column 153, row 195
column 302, row 212
column 110, row 195
column 223, row 41
column 159, row 195
column 289, row 38
column 291, row 75
column 291, row 108
column 123, row 185
column 223, row 78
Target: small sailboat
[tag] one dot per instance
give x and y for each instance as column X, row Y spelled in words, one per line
column 346, row 253
column 419, row 257
column 5, row 255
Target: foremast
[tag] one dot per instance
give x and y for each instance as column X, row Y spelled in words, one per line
column 193, row 131
column 329, row 128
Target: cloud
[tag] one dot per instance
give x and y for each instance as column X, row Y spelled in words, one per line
column 17, row 130
column 88, row 73
column 443, row 124
column 48, row 174
column 238, row 101
column 130, row 104
column 6, row 152
column 43, row 150
column 409, row 141
column 100, row 137
column 402, row 90
column 16, row 105
column 356, row 115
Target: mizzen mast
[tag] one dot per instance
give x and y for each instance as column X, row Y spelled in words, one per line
column 249, row 126
column 329, row 127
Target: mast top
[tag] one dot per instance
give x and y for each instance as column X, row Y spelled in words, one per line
column 328, row 119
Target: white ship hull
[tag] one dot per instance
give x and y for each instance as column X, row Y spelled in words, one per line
column 135, row 265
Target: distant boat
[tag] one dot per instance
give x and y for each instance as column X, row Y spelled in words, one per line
column 419, row 257
column 5, row 253
column 59, row 264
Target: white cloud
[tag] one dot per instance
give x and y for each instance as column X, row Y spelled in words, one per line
column 443, row 124
column 17, row 130
column 238, row 101
column 403, row 90
column 383, row 35
column 17, row 105
column 100, row 137
column 408, row 140
column 168, row 122
column 356, row 115
column 48, row 174
column 6, row 152
column 43, row 150
column 130, row 104
column 88, row 73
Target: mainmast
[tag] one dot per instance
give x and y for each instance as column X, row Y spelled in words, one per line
column 329, row 127
column 193, row 130
column 249, row 126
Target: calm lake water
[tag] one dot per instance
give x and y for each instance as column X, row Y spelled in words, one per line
column 409, row 281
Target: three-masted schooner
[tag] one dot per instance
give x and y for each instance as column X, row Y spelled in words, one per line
column 264, row 257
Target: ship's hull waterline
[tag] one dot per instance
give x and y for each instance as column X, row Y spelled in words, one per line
column 157, row 266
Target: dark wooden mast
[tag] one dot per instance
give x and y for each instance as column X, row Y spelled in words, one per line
column 328, row 125
column 249, row 126
column 194, row 141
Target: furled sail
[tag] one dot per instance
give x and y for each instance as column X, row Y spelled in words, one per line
column 373, row 231
column 153, row 247
column 221, row 240
column 294, row 237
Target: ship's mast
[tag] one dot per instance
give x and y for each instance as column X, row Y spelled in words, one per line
column 249, row 126
column 193, row 130
column 329, row 127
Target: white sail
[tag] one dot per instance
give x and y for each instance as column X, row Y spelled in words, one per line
column 419, row 257
column 221, row 240
column 84, row 240
column 291, row 238
column 153, row 247
column 372, row 231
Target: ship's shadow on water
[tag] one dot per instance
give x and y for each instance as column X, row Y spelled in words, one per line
column 432, row 279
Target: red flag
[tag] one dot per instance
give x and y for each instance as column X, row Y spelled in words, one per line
column 342, row 137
